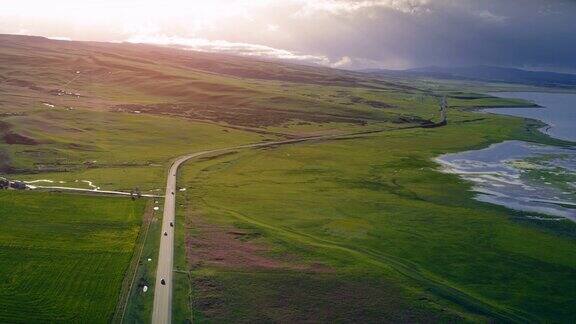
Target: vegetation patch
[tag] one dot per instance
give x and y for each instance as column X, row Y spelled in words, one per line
column 228, row 247
column 15, row 138
column 291, row 297
column 63, row 257
column 250, row 116
column 377, row 203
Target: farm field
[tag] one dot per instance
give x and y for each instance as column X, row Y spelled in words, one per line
column 63, row 257
column 333, row 217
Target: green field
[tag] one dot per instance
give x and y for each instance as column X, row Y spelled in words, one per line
column 63, row 257
column 361, row 228
column 374, row 207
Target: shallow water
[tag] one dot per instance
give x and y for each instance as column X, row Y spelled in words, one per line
column 533, row 178
column 519, row 175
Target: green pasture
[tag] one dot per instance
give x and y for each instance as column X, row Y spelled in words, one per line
column 70, row 140
column 63, row 257
column 378, row 205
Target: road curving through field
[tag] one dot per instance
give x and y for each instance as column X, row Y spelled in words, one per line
column 162, row 307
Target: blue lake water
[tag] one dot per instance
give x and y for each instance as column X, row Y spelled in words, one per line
column 535, row 179
column 558, row 111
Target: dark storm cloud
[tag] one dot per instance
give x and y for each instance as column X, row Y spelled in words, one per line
column 522, row 33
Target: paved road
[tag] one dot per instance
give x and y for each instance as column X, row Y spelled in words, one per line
column 162, row 309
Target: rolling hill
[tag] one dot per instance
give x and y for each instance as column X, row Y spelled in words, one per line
column 359, row 228
column 485, row 74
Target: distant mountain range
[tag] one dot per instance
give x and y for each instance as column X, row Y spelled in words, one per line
column 486, row 74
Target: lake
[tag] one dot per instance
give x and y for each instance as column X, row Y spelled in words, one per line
column 539, row 180
column 558, row 111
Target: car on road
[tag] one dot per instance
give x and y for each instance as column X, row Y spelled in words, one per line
column 162, row 281
column 165, row 233
column 171, row 224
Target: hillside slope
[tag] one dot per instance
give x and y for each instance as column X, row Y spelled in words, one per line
column 359, row 229
column 485, row 74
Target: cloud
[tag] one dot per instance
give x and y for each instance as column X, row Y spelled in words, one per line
column 346, row 6
column 222, row 46
column 340, row 33
column 61, row 38
column 490, row 17
column 272, row 28
column 344, row 62
column 519, row 33
column 254, row 50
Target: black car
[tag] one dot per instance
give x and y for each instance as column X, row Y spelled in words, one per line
column 171, row 224
column 165, row 233
column 163, row 282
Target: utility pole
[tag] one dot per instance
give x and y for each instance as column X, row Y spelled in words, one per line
column 443, row 108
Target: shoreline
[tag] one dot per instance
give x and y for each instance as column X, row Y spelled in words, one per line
column 536, row 134
column 545, row 125
column 531, row 123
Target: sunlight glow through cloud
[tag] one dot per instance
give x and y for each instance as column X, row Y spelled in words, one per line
column 338, row 33
column 184, row 22
column 222, row 46
column 341, row 6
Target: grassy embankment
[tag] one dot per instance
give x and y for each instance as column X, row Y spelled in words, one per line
column 138, row 306
column 63, row 257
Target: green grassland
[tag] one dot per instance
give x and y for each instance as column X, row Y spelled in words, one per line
column 377, row 207
column 69, row 139
column 118, row 151
column 188, row 102
column 357, row 229
column 63, row 257
column 126, row 105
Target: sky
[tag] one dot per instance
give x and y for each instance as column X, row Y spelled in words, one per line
column 348, row 34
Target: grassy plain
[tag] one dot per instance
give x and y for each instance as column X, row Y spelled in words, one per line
column 63, row 257
column 117, row 151
column 359, row 229
column 375, row 207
